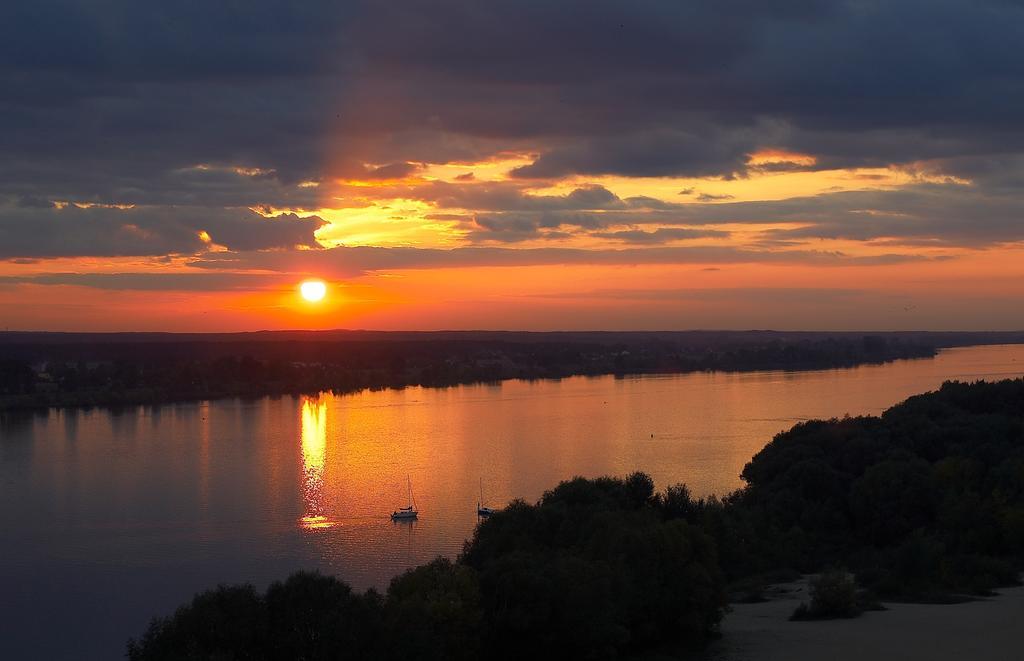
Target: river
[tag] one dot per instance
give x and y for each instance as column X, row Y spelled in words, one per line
column 112, row 517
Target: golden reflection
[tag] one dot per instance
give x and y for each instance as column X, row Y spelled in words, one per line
column 314, row 457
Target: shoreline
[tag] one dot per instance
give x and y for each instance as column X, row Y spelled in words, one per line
column 984, row 628
column 14, row 404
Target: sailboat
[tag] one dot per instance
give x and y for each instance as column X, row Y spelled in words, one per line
column 406, row 513
column 480, row 509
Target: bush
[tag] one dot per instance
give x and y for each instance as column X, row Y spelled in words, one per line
column 833, row 595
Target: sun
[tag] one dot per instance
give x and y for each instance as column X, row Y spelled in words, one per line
column 313, row 290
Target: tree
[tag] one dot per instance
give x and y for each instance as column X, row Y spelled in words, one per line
column 317, row 618
column 229, row 622
column 434, row 612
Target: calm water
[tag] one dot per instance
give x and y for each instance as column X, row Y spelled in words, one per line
column 109, row 518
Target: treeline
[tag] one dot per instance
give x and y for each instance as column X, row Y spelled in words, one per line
column 593, row 571
column 925, row 502
column 122, row 373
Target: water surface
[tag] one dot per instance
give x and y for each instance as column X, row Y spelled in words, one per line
column 111, row 517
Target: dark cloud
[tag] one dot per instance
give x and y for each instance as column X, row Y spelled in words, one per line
column 512, row 227
column 201, row 282
column 509, row 196
column 661, row 235
column 201, row 185
column 128, row 41
column 392, row 171
column 701, row 84
column 345, row 262
column 923, row 214
column 647, row 153
column 951, row 213
column 100, row 99
column 102, row 231
column 655, row 87
column 703, row 197
column 513, row 196
column 743, row 295
column 118, row 103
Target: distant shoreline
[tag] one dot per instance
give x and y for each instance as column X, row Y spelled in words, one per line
column 6, row 405
column 45, row 370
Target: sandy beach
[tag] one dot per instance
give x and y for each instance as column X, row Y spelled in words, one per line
column 989, row 629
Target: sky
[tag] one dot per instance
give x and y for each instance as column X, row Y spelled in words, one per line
column 520, row 164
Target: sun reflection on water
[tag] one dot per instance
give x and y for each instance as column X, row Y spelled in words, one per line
column 314, row 457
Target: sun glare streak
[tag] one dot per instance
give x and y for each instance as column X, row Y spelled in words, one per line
column 314, row 459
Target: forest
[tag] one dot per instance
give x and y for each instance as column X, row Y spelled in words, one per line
column 40, row 370
column 923, row 503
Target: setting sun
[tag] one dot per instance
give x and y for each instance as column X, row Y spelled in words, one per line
column 313, row 290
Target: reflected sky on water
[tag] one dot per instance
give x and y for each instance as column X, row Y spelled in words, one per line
column 112, row 516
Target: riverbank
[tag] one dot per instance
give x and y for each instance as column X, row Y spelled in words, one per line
column 41, row 371
column 981, row 629
column 255, row 389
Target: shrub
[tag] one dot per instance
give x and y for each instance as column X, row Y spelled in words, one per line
column 833, row 595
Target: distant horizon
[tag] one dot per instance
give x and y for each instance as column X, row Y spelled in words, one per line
column 965, row 331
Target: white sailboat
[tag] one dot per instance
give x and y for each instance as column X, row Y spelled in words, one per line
column 406, row 513
column 480, row 509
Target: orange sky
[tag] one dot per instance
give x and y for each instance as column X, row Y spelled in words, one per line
column 825, row 284
column 661, row 166
column 966, row 289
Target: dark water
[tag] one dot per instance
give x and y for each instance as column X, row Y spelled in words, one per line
column 109, row 518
